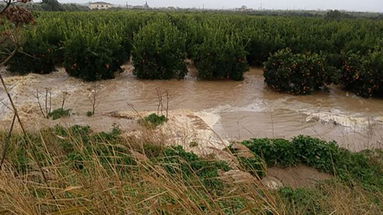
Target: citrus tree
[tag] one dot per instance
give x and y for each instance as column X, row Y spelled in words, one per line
column 295, row 73
column 158, row 51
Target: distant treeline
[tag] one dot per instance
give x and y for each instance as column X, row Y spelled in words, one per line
column 51, row 5
column 54, row 5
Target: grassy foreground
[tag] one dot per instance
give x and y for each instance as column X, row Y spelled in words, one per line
column 77, row 171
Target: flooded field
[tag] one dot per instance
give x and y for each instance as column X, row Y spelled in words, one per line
column 233, row 110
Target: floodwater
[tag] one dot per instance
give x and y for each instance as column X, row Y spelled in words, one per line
column 234, row 110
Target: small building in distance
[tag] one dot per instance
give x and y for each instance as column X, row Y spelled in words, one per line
column 99, row 5
column 244, row 8
column 142, row 7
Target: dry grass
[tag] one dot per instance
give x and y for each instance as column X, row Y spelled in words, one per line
column 142, row 185
column 115, row 188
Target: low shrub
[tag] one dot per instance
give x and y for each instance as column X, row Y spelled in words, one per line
column 159, row 51
column 274, row 151
column 59, row 113
column 193, row 144
column 317, row 153
column 220, row 56
column 363, row 74
column 153, row 120
column 298, row 74
column 324, row 156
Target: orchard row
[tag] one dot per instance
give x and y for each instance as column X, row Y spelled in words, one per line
column 300, row 54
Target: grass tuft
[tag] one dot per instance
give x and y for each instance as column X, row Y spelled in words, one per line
column 59, row 113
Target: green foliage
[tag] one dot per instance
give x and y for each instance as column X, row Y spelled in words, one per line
column 93, row 46
column 158, row 51
column 80, row 145
column 78, row 152
column 77, row 160
column 153, row 120
column 295, row 73
column 363, row 75
column 89, row 113
column 325, row 156
column 302, row 201
column 261, row 44
column 177, row 161
column 336, row 15
column 95, row 52
column 51, row 5
column 193, row 144
column 274, row 151
column 234, row 206
column 255, row 166
column 41, row 50
column 59, row 113
column 153, row 151
column 21, row 160
column 220, row 56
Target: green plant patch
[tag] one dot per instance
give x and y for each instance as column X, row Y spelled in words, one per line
column 193, row 144
column 351, row 167
column 59, row 113
column 153, row 120
column 177, row 161
column 255, row 166
column 302, row 201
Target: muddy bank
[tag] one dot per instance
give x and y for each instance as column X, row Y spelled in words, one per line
column 233, row 110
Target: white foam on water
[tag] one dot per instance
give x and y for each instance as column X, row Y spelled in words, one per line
column 342, row 118
column 339, row 117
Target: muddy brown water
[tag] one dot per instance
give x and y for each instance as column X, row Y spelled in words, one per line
column 235, row 110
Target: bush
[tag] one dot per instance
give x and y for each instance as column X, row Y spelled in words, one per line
column 158, row 52
column 95, row 52
column 41, row 51
column 324, row 156
column 59, row 113
column 299, row 74
column 363, row 74
column 153, row 120
column 274, row 151
column 220, row 56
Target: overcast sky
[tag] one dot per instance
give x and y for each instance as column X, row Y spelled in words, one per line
column 351, row 5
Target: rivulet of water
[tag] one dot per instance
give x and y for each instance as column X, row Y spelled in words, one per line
column 235, row 110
